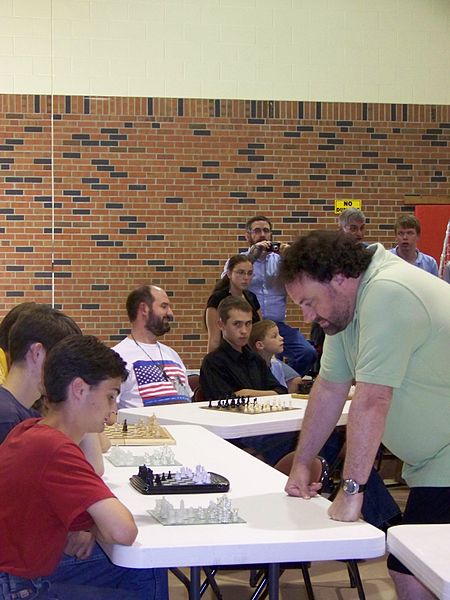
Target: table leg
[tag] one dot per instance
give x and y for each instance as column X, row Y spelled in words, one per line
column 273, row 584
column 194, row 590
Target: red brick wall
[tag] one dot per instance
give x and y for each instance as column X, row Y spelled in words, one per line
column 156, row 189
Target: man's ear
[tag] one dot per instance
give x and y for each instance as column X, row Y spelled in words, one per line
column 221, row 324
column 36, row 352
column 78, row 388
column 339, row 278
column 144, row 308
column 248, row 237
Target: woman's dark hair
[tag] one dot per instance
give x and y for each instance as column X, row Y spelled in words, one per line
column 323, row 254
column 234, row 260
column 83, row 356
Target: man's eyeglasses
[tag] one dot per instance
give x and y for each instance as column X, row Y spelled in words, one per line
column 258, row 230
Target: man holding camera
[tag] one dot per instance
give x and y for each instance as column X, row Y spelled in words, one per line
column 266, row 258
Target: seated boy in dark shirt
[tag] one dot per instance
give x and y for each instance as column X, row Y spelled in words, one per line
column 235, row 369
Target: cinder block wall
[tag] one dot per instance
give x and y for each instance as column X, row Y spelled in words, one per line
column 158, row 189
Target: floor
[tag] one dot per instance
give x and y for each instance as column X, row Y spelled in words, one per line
column 329, row 579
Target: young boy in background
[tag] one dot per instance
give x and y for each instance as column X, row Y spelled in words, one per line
column 265, row 340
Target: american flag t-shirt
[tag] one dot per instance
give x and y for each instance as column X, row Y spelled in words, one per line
column 154, row 381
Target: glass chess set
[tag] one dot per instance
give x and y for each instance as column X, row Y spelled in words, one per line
column 159, row 457
column 218, row 512
column 183, row 481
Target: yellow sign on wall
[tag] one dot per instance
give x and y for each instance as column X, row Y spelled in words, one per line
column 341, row 205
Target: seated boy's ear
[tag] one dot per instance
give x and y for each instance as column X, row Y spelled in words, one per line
column 259, row 345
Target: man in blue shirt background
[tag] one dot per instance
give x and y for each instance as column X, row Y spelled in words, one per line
column 271, row 294
column 407, row 230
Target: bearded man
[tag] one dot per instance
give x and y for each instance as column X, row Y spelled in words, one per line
column 157, row 374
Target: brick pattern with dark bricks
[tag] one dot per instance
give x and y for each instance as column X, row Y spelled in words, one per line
column 157, row 189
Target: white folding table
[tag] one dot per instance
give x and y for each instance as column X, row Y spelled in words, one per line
column 278, row 528
column 425, row 551
column 225, row 423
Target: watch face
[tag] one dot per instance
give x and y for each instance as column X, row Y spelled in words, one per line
column 349, row 486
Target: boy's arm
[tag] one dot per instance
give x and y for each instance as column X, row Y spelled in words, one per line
column 114, row 524
column 92, row 449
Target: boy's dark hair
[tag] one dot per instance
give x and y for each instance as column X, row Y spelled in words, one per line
column 248, row 225
column 10, row 318
column 259, row 331
column 323, row 254
column 407, row 222
column 82, row 356
column 140, row 294
column 232, row 302
column 42, row 324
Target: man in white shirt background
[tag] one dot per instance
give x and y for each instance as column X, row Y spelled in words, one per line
column 157, row 374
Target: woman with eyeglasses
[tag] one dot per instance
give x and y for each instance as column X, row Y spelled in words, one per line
column 235, row 283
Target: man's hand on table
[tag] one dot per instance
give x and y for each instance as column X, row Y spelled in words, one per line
column 346, row 507
column 299, row 483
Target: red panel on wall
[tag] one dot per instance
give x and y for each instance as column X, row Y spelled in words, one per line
column 433, row 219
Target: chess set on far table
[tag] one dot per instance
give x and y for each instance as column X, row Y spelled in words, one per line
column 146, row 432
column 251, row 406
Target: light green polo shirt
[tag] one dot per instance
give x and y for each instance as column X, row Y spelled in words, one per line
column 400, row 337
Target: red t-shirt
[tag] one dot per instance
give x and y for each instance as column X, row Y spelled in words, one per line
column 46, row 485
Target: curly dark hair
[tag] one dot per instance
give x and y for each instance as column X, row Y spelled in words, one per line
column 323, row 254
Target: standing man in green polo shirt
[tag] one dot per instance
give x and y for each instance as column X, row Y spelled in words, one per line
column 387, row 327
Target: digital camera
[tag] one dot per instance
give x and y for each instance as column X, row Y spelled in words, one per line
column 274, row 247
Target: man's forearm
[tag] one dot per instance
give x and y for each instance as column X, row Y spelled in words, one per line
column 324, row 408
column 365, row 427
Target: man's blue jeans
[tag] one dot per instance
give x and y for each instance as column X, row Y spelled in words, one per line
column 95, row 577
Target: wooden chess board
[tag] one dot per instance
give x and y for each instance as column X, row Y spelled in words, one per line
column 138, row 435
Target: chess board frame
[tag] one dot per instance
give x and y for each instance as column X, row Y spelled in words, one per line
column 219, row 485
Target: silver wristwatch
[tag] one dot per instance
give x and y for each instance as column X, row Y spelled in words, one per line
column 351, row 487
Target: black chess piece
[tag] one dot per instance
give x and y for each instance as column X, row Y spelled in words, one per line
column 149, row 477
column 125, row 427
column 169, row 475
column 157, row 479
column 163, row 476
